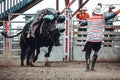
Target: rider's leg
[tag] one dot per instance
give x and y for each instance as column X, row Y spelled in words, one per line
column 32, row 29
column 96, row 49
column 34, row 25
column 87, row 57
column 95, row 56
column 88, row 50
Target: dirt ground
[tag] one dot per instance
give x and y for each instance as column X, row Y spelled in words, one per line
column 11, row 70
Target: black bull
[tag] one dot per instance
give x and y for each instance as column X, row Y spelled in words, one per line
column 46, row 35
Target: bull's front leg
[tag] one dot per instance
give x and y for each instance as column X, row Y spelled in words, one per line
column 36, row 56
column 48, row 55
column 49, row 50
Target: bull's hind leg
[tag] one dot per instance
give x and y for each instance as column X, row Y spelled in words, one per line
column 23, row 54
column 29, row 55
column 22, row 58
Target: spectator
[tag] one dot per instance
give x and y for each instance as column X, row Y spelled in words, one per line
column 82, row 14
column 109, row 12
column 96, row 24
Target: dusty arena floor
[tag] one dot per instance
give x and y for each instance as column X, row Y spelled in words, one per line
column 11, row 70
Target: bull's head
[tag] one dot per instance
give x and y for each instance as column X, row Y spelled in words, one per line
column 55, row 17
column 61, row 18
column 52, row 20
column 54, row 36
column 50, row 27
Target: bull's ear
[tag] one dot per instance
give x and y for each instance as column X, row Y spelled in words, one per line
column 62, row 30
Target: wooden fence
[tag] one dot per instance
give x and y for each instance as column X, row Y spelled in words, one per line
column 111, row 35
column 110, row 49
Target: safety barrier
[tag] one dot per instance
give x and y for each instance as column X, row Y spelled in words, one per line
column 109, row 51
column 110, row 39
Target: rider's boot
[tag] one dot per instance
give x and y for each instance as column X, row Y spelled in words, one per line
column 28, row 34
column 93, row 62
column 32, row 35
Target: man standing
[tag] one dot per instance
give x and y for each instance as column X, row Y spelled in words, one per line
column 96, row 24
column 109, row 12
column 82, row 14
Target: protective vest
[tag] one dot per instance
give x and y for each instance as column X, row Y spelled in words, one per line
column 96, row 25
column 95, row 28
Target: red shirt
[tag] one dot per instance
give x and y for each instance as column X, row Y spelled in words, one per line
column 82, row 16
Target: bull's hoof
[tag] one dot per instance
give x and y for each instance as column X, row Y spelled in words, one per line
column 30, row 64
column 47, row 63
column 22, row 65
column 35, row 59
column 47, row 55
column 93, row 69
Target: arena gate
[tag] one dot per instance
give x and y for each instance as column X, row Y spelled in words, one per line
column 10, row 46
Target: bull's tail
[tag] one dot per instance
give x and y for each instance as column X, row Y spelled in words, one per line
column 5, row 34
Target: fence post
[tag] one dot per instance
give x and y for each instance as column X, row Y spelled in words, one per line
column 67, row 39
column 6, row 41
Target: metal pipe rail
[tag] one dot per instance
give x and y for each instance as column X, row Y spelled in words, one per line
column 12, row 6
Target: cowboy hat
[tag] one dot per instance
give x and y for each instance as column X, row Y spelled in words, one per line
column 112, row 7
column 97, row 10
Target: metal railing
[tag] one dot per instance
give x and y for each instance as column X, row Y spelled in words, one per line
column 10, row 6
